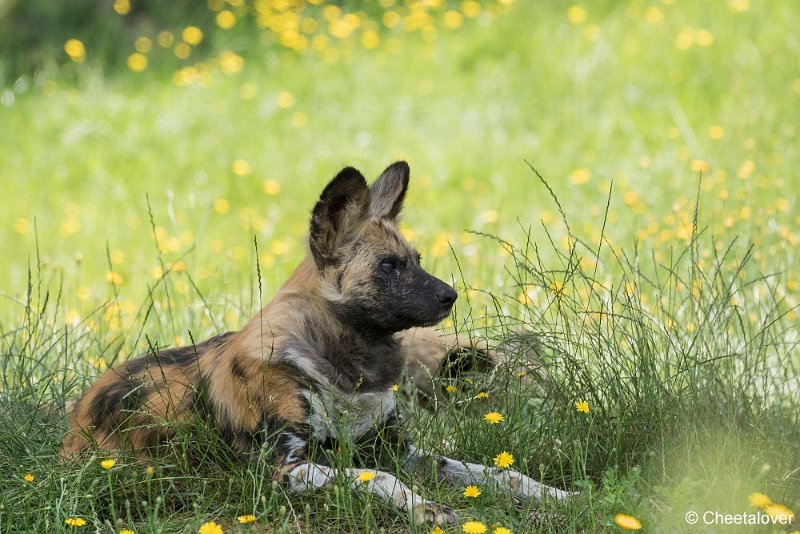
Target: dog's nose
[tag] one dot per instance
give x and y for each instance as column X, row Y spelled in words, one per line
column 446, row 295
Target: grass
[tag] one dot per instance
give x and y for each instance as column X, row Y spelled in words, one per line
column 653, row 263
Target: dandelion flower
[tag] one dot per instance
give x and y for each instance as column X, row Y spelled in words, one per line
column 451, row 388
column 482, row 395
column 126, row 531
column 779, row 512
column 473, row 527
column 29, row 477
column 244, row 519
column 149, row 470
column 504, row 460
column 75, row 521
column 210, row 528
column 501, row 530
column 366, row 476
column 472, row 492
column 759, row 500
column 582, row 406
column 108, row 464
column 493, row 418
column 395, row 388
column 437, row 530
column 628, row 522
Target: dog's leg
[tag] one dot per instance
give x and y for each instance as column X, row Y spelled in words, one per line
column 462, row 474
column 309, row 476
column 302, row 475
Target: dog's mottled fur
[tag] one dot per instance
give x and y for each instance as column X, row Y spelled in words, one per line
column 317, row 361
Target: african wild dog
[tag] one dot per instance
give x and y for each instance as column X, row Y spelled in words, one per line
column 318, row 360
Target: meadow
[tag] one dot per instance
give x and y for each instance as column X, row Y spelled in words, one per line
column 618, row 179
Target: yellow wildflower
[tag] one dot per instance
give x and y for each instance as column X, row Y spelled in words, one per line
column 244, row 519
column 473, row 527
column 210, row 528
column 127, row 531
column 192, row 35
column 582, row 406
column 75, row 521
column 501, row 530
column 108, row 464
column 482, row 395
column 759, row 500
column 504, row 460
column 29, row 477
column 472, row 491
column 493, row 418
column 450, row 389
column 627, row 522
column 366, row 476
column 75, row 50
column 779, row 512
column 395, row 388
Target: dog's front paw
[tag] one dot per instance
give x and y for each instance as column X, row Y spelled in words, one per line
column 431, row 512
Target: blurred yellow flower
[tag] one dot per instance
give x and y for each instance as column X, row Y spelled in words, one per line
column 183, row 51
column 395, row 388
column 231, row 63
column 582, row 406
column 366, row 476
column 501, row 530
column 122, row 7
column 482, row 395
column 779, row 512
column 143, row 44
column 22, row 226
column 108, row 464
column 165, row 39
column 577, row 15
column 716, row 132
column 759, row 500
column 704, row 38
column 299, row 119
column 452, row 19
column 504, row 460
column 494, row 418
column 226, row 19
column 114, row 278
column 285, row 99
column 75, row 50
column 473, row 527
column 450, row 389
column 29, row 478
column 137, row 62
column 370, row 39
column 210, row 528
column 470, row 8
column 472, row 492
column 240, row 167
column 272, row 187
column 437, row 530
column 75, row 521
column 192, row 35
column 580, row 176
column 245, row 519
column 627, row 522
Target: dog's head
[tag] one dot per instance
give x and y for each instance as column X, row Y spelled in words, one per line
column 366, row 268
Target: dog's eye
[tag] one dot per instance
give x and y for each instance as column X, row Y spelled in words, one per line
column 388, row 264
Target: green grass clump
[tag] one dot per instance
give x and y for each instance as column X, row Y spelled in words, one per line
column 687, row 381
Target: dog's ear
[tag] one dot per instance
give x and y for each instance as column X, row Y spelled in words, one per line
column 389, row 190
column 342, row 207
